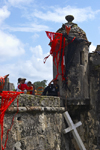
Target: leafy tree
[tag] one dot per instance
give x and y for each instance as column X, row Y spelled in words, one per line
column 40, row 84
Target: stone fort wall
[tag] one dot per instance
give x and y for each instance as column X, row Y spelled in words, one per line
column 38, row 124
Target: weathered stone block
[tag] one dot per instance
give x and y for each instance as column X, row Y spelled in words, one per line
column 31, row 100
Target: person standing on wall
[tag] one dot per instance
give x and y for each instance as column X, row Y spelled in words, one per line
column 22, row 86
column 52, row 89
column 30, row 87
column 19, row 80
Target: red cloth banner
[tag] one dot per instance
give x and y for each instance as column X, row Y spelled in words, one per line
column 58, row 43
column 56, row 40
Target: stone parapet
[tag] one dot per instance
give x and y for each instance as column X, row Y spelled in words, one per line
column 37, row 100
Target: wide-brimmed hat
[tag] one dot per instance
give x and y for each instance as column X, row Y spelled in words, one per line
column 23, row 78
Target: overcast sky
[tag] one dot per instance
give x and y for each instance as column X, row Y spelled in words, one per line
column 23, row 42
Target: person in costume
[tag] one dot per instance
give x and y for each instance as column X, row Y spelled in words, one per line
column 33, row 92
column 22, row 86
column 30, row 87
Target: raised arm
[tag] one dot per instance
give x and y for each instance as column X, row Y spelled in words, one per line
column 50, row 82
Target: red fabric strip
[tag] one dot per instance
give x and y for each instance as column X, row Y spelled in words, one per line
column 68, row 29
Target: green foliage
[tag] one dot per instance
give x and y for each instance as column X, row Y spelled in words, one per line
column 40, row 84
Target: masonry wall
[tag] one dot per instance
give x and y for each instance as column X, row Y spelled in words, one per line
column 88, row 113
column 95, row 92
column 8, row 86
column 78, row 75
column 88, row 131
column 38, row 125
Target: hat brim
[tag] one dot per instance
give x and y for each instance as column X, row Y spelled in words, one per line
column 23, row 78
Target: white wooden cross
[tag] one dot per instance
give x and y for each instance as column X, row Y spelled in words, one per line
column 72, row 127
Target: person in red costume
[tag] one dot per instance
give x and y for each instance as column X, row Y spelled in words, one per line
column 22, row 86
column 30, row 87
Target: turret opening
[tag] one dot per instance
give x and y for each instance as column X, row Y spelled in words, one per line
column 81, row 58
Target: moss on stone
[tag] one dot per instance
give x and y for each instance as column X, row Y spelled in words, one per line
column 97, row 67
column 29, row 97
column 41, row 99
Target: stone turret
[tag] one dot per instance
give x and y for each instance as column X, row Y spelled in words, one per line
column 78, row 87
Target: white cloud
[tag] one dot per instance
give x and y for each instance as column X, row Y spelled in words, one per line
column 57, row 14
column 37, row 51
column 35, row 37
column 17, row 2
column 4, row 13
column 37, row 60
column 26, row 28
column 32, row 69
column 92, row 48
column 10, row 46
